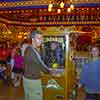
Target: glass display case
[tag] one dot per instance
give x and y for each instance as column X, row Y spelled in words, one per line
column 56, row 54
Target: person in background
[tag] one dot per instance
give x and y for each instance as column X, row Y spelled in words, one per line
column 34, row 65
column 24, row 46
column 4, row 54
column 90, row 76
column 14, row 50
column 1, row 50
column 18, row 68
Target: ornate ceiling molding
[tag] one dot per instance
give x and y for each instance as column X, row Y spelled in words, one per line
column 50, row 23
column 25, row 3
column 39, row 17
column 86, row 1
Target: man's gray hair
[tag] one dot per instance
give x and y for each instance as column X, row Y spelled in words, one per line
column 34, row 33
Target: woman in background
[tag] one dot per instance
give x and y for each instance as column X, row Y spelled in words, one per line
column 18, row 68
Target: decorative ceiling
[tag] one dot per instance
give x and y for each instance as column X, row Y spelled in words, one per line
column 25, row 15
column 35, row 13
column 41, row 17
column 11, row 0
column 23, row 3
column 80, row 1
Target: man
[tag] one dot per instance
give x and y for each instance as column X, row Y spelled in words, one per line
column 33, row 67
column 90, row 76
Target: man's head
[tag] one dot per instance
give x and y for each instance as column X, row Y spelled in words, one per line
column 95, row 51
column 36, row 37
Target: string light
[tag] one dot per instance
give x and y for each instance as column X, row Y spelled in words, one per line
column 50, row 5
column 49, row 9
column 61, row 5
column 72, row 7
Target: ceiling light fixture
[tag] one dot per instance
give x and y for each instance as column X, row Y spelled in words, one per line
column 60, row 4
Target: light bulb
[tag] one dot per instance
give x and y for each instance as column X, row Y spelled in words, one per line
column 50, row 5
column 62, row 5
column 58, row 10
column 69, row 10
column 25, row 37
column 49, row 9
column 72, row 7
column 19, row 36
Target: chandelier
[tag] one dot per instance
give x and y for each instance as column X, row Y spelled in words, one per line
column 60, row 4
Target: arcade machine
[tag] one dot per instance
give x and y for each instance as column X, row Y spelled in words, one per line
column 56, row 53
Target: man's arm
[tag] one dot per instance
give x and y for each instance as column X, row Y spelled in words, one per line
column 44, row 67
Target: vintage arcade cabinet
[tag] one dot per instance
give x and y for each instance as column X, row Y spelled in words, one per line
column 56, row 53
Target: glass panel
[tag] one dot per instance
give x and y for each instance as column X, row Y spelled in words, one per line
column 54, row 51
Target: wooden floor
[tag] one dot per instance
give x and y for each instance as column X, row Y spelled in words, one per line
column 8, row 92
column 80, row 95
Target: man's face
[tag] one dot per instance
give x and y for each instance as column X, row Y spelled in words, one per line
column 95, row 52
column 38, row 40
column 53, row 46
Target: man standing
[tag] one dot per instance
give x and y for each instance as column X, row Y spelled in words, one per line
column 33, row 68
column 90, row 76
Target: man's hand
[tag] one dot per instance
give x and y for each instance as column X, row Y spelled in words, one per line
column 81, row 91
